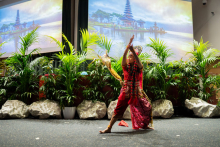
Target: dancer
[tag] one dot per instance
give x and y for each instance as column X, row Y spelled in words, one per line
column 132, row 93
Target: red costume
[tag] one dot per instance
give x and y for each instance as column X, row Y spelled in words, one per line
column 131, row 94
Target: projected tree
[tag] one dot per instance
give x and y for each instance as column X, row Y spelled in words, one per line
column 101, row 15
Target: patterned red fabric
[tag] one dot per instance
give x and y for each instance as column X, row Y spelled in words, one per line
column 133, row 98
column 127, row 77
column 140, row 113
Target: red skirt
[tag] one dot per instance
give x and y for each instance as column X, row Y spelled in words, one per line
column 140, row 112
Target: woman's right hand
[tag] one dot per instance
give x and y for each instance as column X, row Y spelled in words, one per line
column 131, row 40
column 122, row 83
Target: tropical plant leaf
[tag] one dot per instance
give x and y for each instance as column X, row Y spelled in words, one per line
column 21, row 71
column 160, row 50
column 87, row 39
column 203, row 56
column 104, row 43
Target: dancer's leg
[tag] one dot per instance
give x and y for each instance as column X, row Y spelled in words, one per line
column 118, row 113
column 111, row 123
column 121, row 106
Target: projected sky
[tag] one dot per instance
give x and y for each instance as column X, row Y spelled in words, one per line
column 168, row 20
column 17, row 20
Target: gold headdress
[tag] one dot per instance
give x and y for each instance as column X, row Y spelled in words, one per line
column 138, row 49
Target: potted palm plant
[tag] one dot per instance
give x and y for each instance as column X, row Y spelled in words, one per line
column 162, row 81
column 94, row 90
column 187, row 85
column 205, row 59
column 159, row 71
column 100, row 71
column 69, row 74
column 21, row 69
column 187, row 79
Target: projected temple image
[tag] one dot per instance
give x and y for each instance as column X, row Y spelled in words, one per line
column 19, row 19
column 170, row 21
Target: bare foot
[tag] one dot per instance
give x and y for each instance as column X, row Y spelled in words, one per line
column 149, row 128
column 107, row 130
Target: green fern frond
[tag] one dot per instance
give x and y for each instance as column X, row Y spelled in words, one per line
column 60, row 44
column 104, row 43
column 87, row 39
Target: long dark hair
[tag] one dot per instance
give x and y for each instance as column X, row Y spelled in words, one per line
column 133, row 73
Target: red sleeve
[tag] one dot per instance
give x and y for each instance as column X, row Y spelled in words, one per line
column 124, row 68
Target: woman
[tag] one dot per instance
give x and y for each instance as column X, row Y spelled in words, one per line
column 132, row 93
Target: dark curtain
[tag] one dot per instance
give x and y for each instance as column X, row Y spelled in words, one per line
column 82, row 19
column 66, row 21
column 82, row 24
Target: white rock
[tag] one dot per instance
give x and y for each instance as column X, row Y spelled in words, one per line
column 45, row 109
column 89, row 110
column 202, row 108
column 14, row 109
column 111, row 108
column 162, row 108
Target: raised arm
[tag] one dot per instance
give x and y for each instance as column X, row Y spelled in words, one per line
column 124, row 62
column 136, row 57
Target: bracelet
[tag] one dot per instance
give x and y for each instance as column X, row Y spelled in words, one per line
column 109, row 127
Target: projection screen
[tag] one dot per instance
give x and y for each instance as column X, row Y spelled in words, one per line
column 168, row 20
column 17, row 19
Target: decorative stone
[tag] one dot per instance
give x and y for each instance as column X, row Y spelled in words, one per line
column 91, row 110
column 202, row 108
column 44, row 109
column 111, row 108
column 14, row 109
column 162, row 108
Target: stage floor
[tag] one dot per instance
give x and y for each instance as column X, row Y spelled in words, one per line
column 177, row 131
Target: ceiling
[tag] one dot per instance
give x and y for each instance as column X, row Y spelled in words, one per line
column 6, row 3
